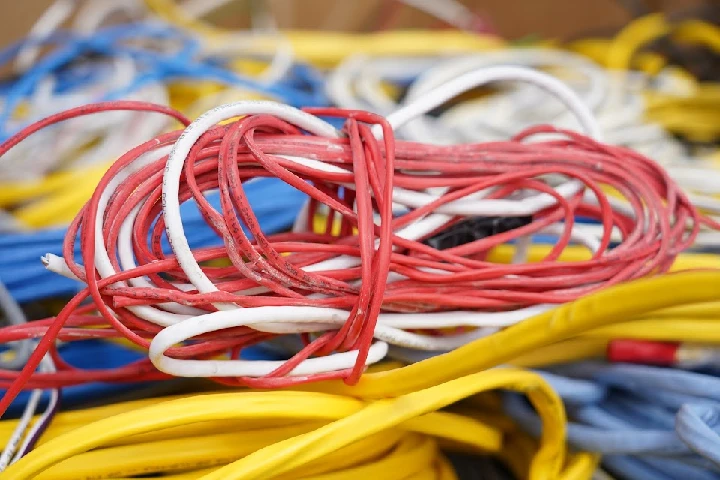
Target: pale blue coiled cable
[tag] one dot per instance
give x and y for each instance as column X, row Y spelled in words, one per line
column 649, row 422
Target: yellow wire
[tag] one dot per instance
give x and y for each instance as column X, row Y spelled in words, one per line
column 404, row 398
column 536, row 253
column 610, row 306
column 695, row 116
column 358, row 431
column 634, row 36
column 566, row 351
column 698, row 32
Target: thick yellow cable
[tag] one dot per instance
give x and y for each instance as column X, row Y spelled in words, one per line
column 698, row 32
column 536, row 253
column 291, row 454
column 696, row 117
column 633, row 37
column 678, row 329
column 610, row 306
column 566, row 351
column 354, row 425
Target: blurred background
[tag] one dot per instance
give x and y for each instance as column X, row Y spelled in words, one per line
column 564, row 19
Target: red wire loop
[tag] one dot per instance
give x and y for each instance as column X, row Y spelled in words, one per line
column 390, row 272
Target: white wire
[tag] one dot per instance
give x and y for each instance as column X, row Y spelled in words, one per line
column 46, row 365
column 313, row 319
column 94, row 13
column 199, row 8
column 483, row 76
column 19, row 431
column 182, row 323
column 176, row 160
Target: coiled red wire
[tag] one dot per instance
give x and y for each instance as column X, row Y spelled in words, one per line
column 228, row 155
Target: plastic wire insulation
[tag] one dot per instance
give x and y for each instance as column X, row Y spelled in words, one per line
column 89, row 66
column 670, row 429
column 368, row 421
column 342, row 312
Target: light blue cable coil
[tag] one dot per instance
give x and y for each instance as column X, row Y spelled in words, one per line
column 649, row 422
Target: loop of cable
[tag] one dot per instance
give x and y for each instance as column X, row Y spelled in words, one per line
column 640, row 418
column 272, row 427
column 350, row 294
column 138, row 62
column 644, row 111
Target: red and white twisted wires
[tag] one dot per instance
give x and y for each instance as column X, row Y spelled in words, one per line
column 347, row 295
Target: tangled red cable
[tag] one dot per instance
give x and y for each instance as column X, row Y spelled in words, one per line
column 377, row 278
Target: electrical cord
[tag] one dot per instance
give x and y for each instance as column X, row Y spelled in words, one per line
column 13, row 316
column 350, row 432
column 661, row 418
column 21, row 442
column 272, row 308
column 276, row 205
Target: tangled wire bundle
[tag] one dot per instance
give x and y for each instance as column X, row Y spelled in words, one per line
column 347, row 293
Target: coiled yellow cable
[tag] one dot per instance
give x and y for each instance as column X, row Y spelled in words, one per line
column 401, row 397
column 298, row 434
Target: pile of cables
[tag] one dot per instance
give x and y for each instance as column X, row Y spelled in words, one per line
column 143, row 62
column 436, row 278
column 401, row 266
column 647, row 422
column 661, row 112
column 138, row 438
column 255, row 435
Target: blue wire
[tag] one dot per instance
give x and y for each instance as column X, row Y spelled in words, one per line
column 653, row 468
column 699, row 427
column 275, row 203
column 602, row 440
column 640, row 378
column 303, row 88
column 648, row 422
column 573, row 390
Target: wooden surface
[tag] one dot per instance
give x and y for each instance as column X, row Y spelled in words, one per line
column 511, row 18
